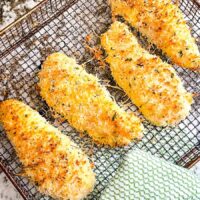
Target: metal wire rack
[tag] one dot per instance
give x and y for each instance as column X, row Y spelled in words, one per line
column 62, row 25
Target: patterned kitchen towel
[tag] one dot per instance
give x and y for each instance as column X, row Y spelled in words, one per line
column 143, row 176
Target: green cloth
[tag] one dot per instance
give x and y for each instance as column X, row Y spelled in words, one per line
column 143, row 176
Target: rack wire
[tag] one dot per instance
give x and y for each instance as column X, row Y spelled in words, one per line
column 62, row 25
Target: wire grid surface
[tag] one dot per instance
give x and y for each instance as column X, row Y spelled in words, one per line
column 60, row 25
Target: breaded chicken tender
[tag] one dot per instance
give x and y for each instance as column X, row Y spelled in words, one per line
column 151, row 84
column 163, row 24
column 50, row 159
column 87, row 105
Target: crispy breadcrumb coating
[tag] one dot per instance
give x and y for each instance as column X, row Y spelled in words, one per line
column 50, row 159
column 162, row 22
column 152, row 84
column 79, row 98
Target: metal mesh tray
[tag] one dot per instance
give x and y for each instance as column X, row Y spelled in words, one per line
column 62, row 25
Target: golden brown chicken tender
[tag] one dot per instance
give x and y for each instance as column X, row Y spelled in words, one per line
column 163, row 24
column 50, row 159
column 152, row 84
column 87, row 105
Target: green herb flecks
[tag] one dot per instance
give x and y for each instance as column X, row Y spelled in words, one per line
column 128, row 59
column 180, row 53
column 114, row 116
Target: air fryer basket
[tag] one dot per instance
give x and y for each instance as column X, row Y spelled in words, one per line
column 62, row 25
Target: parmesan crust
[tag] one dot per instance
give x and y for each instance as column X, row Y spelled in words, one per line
column 50, row 159
column 163, row 24
column 151, row 84
column 87, row 105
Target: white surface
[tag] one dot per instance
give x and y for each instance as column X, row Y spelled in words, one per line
column 8, row 192
column 12, row 11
